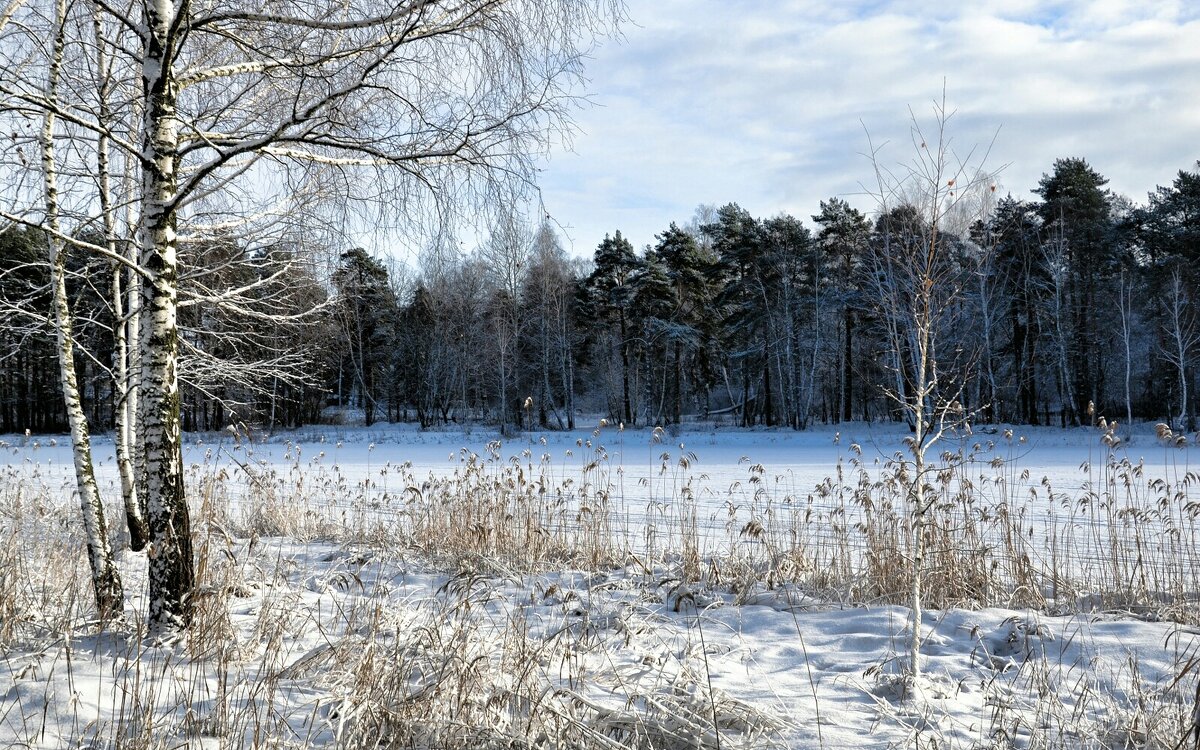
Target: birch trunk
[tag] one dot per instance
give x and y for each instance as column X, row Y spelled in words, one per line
column 806, row 412
column 567, row 365
column 171, row 568
column 1180, row 335
column 922, row 317
column 106, row 580
column 134, row 517
column 1126, row 324
column 124, row 427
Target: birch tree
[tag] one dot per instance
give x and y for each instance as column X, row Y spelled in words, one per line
column 547, row 297
column 844, row 235
column 920, row 202
column 505, row 254
column 39, row 65
column 1059, row 304
column 1181, row 338
column 106, row 580
column 1077, row 214
column 1125, row 293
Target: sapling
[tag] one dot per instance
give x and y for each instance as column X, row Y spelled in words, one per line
column 917, row 281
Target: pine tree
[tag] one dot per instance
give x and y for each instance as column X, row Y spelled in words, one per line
column 610, row 291
column 1078, row 236
column 845, row 234
column 743, row 303
column 689, row 327
column 1014, row 232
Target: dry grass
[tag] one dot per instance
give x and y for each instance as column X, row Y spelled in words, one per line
column 337, row 654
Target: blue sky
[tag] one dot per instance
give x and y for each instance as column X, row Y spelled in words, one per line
column 765, row 103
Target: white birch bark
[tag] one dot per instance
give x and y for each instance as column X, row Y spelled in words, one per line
column 106, row 580
column 1183, row 336
column 412, row 107
column 1057, row 270
column 918, row 289
column 134, row 517
column 1126, row 299
column 171, row 567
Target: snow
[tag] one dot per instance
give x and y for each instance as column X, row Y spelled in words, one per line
column 779, row 665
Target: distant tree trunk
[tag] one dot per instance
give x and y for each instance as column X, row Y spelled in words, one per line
column 768, row 407
column 992, row 408
column 747, row 417
column 1182, row 337
column 1025, row 403
column 567, row 374
column 1066, row 376
column 625, row 372
column 790, row 382
column 677, row 396
column 1126, row 292
column 570, row 388
column 847, row 394
column 503, row 365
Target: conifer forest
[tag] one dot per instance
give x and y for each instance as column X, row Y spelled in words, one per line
column 1053, row 310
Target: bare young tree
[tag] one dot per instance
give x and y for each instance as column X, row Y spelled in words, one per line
column 546, row 297
column 42, row 68
column 505, row 255
column 124, row 282
column 1182, row 338
column 1125, row 302
column 992, row 308
column 920, row 205
column 1059, row 295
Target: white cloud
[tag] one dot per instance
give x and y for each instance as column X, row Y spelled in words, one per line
column 761, row 102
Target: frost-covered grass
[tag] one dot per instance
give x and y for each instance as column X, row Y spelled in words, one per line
column 613, row 589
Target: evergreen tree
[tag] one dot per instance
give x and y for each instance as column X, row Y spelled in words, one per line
column 794, row 271
column 549, row 318
column 1078, row 237
column 30, row 397
column 844, row 237
column 743, row 274
column 688, row 326
column 651, row 312
column 1170, row 233
column 1014, row 232
column 610, row 291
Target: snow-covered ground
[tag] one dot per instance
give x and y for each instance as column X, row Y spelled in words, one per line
column 606, row 650
column 315, row 641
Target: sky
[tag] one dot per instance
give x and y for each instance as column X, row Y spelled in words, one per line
column 769, row 104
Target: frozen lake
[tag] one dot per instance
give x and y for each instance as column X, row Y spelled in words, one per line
column 1073, row 498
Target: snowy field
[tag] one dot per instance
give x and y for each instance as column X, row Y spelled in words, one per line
column 620, row 588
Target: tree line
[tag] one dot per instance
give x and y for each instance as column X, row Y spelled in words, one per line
column 1058, row 309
